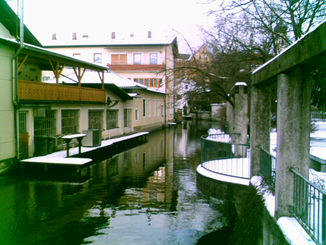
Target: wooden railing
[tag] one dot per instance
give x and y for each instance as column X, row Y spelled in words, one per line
column 38, row 91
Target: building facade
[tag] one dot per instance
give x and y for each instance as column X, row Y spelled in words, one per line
column 143, row 59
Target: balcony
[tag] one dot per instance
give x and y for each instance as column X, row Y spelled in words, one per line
column 37, row 91
column 134, row 67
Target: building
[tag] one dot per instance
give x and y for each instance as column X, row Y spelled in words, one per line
column 36, row 113
column 142, row 58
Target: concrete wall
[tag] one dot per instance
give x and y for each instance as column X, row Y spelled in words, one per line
column 229, row 192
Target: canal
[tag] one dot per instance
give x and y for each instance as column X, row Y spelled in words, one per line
column 143, row 195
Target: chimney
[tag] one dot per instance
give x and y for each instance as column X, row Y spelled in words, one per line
column 149, row 34
column 113, row 35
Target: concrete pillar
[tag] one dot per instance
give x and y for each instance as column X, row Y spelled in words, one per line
column 260, row 124
column 241, row 118
column 293, row 134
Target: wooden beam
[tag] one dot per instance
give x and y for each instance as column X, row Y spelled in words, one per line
column 22, row 63
column 57, row 70
column 101, row 78
column 79, row 74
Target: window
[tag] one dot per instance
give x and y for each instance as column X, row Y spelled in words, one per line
column 45, row 122
column 112, row 119
column 119, row 59
column 112, row 35
column 22, row 122
column 85, row 35
column 54, row 36
column 153, row 58
column 127, row 118
column 144, row 107
column 149, row 82
column 95, row 119
column 74, row 36
column 98, row 58
column 137, row 114
column 137, row 58
column 69, row 121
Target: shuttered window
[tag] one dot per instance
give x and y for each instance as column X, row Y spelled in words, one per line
column 118, row 59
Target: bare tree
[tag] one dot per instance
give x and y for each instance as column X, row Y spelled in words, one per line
column 268, row 25
column 246, row 34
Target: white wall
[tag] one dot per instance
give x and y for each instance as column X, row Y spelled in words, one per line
column 7, row 130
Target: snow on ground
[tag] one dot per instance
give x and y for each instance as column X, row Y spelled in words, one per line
column 294, row 232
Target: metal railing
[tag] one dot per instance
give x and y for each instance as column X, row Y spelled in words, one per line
column 268, row 167
column 309, row 207
column 318, row 115
column 220, row 154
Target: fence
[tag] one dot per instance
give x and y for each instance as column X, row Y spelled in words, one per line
column 318, row 115
column 309, row 207
column 221, row 155
column 309, row 201
column 268, row 167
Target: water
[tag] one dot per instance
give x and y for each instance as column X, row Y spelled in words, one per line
column 145, row 195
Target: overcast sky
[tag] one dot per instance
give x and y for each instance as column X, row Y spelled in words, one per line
column 44, row 17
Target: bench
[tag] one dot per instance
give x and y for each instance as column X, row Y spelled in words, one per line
column 70, row 137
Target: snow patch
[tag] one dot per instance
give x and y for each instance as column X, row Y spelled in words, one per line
column 293, row 231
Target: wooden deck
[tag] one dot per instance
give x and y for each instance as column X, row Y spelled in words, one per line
column 60, row 157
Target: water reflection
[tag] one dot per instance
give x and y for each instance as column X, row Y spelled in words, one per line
column 145, row 195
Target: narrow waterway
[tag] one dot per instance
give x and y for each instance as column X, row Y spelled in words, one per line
column 144, row 195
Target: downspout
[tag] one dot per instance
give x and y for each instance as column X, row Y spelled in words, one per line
column 14, row 74
column 166, row 86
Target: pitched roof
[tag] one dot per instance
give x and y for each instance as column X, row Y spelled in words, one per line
column 109, row 43
column 41, row 57
column 10, row 20
column 111, row 80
